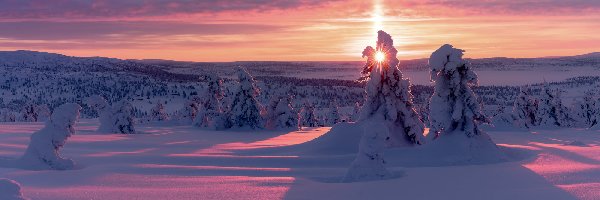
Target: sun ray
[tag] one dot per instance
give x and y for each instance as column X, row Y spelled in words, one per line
column 378, row 15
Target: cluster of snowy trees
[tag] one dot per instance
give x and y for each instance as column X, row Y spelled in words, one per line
column 547, row 110
column 390, row 118
column 30, row 112
column 245, row 110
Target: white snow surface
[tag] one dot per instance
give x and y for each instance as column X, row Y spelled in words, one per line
column 369, row 163
column 184, row 162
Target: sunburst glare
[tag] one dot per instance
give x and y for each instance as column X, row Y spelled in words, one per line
column 379, row 56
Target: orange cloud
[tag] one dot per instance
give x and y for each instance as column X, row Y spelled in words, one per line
column 298, row 30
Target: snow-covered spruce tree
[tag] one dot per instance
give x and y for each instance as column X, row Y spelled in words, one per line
column 309, row 119
column 355, row 112
column 455, row 113
column 551, row 112
column 587, row 110
column 369, row 163
column 245, row 109
column 29, row 113
column 271, row 112
column 287, row 117
column 104, row 111
column 43, row 112
column 563, row 112
column 525, row 109
column 123, row 118
column 453, row 106
column 43, row 150
column 388, row 96
column 188, row 113
column 10, row 190
column 333, row 116
column 158, row 112
column 210, row 114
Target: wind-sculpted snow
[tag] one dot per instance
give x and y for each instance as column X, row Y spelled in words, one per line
column 117, row 118
column 43, row 150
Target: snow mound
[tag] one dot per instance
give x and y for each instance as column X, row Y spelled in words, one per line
column 343, row 138
column 10, row 190
column 454, row 148
column 369, row 164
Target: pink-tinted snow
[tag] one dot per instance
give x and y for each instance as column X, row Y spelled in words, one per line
column 182, row 162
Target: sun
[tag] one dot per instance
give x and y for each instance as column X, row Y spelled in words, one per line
column 379, row 56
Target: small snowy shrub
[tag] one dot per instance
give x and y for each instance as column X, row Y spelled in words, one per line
column 123, row 118
column 158, row 112
column 309, row 119
column 333, row 116
column 29, row 113
column 104, row 110
column 525, row 109
column 355, row 112
column 285, row 114
column 189, row 112
column 587, row 111
column 43, row 150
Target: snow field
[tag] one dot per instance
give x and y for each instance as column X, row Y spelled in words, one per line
column 183, row 162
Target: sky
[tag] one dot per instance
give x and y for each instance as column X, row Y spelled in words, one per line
column 298, row 30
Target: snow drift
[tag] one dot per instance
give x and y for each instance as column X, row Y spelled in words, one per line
column 370, row 163
column 10, row 190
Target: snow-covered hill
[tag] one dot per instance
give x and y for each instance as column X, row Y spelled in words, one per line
column 40, row 78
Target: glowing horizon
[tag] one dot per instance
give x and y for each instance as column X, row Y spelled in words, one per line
column 299, row 30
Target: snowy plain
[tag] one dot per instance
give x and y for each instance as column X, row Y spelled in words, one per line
column 184, row 162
